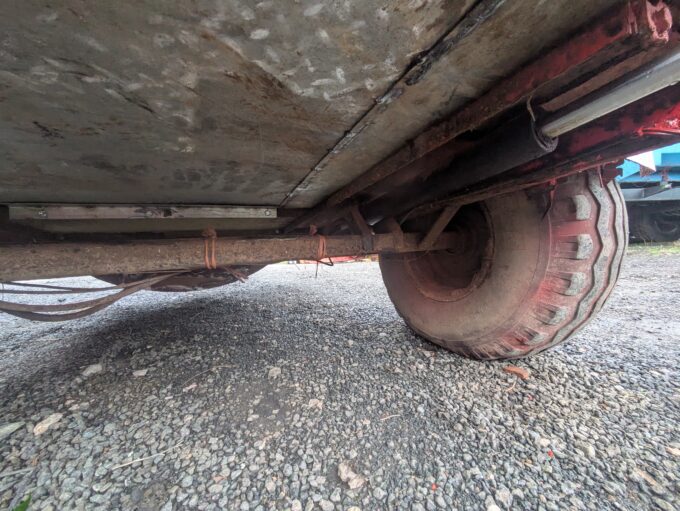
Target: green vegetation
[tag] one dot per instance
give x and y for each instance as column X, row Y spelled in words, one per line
column 655, row 248
column 23, row 505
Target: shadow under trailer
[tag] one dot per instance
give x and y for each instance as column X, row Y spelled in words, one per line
column 473, row 145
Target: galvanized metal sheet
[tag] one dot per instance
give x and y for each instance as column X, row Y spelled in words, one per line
column 208, row 101
column 513, row 33
column 236, row 102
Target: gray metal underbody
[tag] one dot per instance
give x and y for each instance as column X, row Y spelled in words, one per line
column 275, row 103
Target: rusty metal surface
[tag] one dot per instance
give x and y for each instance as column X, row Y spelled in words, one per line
column 228, row 102
column 131, row 212
column 613, row 34
column 438, row 226
column 517, row 32
column 193, row 225
column 643, row 126
column 508, row 146
column 636, row 128
column 661, row 75
column 49, row 260
column 620, row 40
column 192, row 101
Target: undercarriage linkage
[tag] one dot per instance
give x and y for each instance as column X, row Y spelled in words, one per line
column 47, row 260
column 578, row 91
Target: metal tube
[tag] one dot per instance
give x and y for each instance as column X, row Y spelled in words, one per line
column 622, row 30
column 664, row 74
column 52, row 260
column 508, row 146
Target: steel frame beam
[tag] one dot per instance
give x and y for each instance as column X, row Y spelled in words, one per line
column 642, row 126
column 639, row 27
column 52, row 260
column 131, row 212
column 646, row 124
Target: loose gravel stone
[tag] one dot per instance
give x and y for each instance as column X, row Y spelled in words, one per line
column 7, row 429
column 92, row 369
column 288, row 391
column 47, row 423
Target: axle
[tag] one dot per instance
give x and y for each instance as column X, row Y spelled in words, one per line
column 50, row 260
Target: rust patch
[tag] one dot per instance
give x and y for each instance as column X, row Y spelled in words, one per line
column 469, row 23
column 46, row 132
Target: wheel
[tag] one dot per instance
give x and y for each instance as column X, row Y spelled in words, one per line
column 654, row 226
column 536, row 266
column 190, row 281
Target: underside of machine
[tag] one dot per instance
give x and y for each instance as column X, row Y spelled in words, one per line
column 649, row 182
column 181, row 145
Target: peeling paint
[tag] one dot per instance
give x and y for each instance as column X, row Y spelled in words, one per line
column 313, row 10
column 260, row 33
column 187, row 38
column 189, row 80
column 273, row 55
column 163, row 40
column 322, row 82
column 247, row 14
column 230, row 76
column 134, row 86
column 156, row 19
column 94, row 79
column 91, row 42
column 382, row 14
column 340, row 73
column 44, row 74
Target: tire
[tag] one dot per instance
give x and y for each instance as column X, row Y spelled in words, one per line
column 537, row 266
column 648, row 226
column 192, row 281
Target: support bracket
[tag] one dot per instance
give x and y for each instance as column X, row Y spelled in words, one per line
column 438, row 226
column 364, row 229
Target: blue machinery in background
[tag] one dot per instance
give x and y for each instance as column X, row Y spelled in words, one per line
column 651, row 187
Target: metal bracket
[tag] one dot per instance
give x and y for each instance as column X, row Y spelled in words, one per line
column 438, row 226
column 364, row 229
column 395, row 230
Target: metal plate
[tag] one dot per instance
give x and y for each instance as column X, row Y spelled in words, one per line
column 235, row 102
column 516, row 32
column 122, row 212
column 208, row 102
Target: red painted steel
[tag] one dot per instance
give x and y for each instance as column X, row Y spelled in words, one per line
column 646, row 124
column 623, row 39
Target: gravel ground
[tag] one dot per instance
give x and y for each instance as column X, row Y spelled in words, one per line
column 290, row 392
